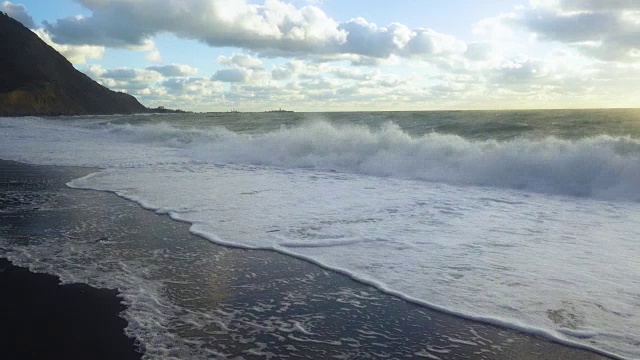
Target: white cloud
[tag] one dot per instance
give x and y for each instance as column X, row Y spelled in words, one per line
column 187, row 93
column 304, row 76
column 202, row 87
column 95, row 71
column 232, row 75
column 430, row 42
column 600, row 4
column 496, row 28
column 364, row 38
column 518, row 72
column 18, row 12
column 354, row 74
column 174, row 70
column 76, row 54
column 154, row 55
column 126, row 79
column 274, row 28
column 559, row 78
column 241, row 60
column 282, row 72
column 241, row 68
column 574, row 26
column 479, row 51
column 605, row 30
column 151, row 87
column 133, row 75
column 300, row 69
column 275, row 24
column 392, row 83
column 153, row 92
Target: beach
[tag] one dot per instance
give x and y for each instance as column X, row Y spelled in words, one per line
column 275, row 306
column 42, row 319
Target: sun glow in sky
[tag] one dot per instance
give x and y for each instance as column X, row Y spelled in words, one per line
column 329, row 55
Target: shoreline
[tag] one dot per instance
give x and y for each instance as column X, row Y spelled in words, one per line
column 528, row 346
column 44, row 318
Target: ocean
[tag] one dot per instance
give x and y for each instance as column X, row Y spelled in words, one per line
column 525, row 219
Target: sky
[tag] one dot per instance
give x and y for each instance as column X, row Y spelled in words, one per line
column 350, row 55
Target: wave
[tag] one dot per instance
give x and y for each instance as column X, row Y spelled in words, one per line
column 602, row 166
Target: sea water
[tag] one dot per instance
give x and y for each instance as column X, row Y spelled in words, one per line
column 528, row 219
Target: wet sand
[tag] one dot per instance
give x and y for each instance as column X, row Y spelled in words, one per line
column 341, row 318
column 42, row 319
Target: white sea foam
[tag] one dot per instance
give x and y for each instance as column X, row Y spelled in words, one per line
column 148, row 316
column 601, row 166
column 492, row 230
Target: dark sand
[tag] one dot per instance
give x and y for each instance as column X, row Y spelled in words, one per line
column 41, row 319
column 348, row 319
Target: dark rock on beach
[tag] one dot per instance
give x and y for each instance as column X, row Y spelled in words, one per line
column 37, row 80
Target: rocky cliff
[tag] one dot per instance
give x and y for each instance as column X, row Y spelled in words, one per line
column 36, row 80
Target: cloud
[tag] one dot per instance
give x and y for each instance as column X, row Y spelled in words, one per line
column 579, row 5
column 498, row 27
column 274, row 28
column 299, row 69
column 191, row 86
column 605, row 30
column 18, row 12
column 107, row 29
column 554, row 79
column 479, row 51
column 76, row 54
column 174, row 70
column 79, row 54
column 241, row 60
column 283, row 72
column 95, row 71
column 232, row 75
column 430, row 42
column 392, row 83
column 197, row 93
column 364, row 38
column 327, row 76
column 132, row 75
column 127, row 79
column 241, row 68
column 574, row 26
column 215, row 22
column 154, row 55
column 354, row 74
column 518, row 71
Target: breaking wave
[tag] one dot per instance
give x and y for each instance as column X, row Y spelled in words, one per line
column 602, row 166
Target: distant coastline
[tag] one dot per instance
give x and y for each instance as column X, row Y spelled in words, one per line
column 279, row 110
column 163, row 110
